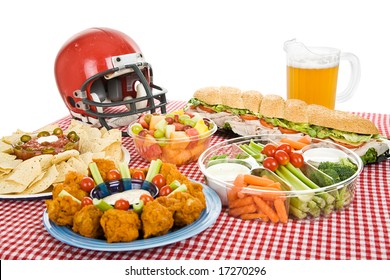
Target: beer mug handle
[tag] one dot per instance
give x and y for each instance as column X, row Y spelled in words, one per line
column 355, row 77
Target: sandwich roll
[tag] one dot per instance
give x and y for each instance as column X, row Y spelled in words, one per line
column 252, row 113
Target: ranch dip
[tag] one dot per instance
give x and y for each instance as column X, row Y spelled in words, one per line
column 227, row 171
column 132, row 196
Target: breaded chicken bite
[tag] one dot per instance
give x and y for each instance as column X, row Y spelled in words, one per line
column 72, row 185
column 120, row 225
column 156, row 219
column 61, row 210
column 86, row 222
column 171, row 173
column 189, row 210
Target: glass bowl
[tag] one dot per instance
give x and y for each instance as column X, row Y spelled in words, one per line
column 178, row 151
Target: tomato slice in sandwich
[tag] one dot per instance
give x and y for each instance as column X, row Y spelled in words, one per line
column 287, row 130
column 206, row 109
column 347, row 144
column 265, row 124
column 249, row 117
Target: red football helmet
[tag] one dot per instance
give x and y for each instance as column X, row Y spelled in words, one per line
column 102, row 76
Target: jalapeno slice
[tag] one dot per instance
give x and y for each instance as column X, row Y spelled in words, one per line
column 58, row 131
column 43, row 134
column 25, row 138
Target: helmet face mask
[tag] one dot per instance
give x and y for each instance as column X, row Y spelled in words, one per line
column 101, row 74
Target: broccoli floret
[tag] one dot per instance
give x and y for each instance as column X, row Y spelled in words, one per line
column 370, row 156
column 332, row 173
column 344, row 168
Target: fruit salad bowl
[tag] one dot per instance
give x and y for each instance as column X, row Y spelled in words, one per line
column 176, row 137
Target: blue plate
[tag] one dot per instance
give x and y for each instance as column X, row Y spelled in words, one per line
column 206, row 219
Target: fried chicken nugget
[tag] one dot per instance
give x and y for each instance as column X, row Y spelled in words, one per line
column 120, row 225
column 71, row 184
column 156, row 219
column 104, row 166
column 188, row 208
column 171, row 173
column 61, row 210
column 86, row 222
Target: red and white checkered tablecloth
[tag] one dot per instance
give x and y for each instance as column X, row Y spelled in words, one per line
column 360, row 232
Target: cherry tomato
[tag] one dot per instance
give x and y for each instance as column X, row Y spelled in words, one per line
column 146, row 198
column 282, row 157
column 159, row 181
column 122, row 204
column 87, row 184
column 86, row 200
column 285, row 147
column 113, row 175
column 270, row 163
column 296, row 159
column 164, row 191
column 269, row 150
column 138, row 174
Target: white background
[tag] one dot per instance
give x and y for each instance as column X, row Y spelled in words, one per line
column 190, row 44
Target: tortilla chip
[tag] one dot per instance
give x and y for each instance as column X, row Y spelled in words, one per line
column 45, row 161
column 25, row 172
column 7, row 187
column 5, row 147
column 11, row 139
column 44, row 183
column 114, row 151
column 64, row 156
column 8, row 166
column 78, row 165
column 6, row 157
column 63, row 168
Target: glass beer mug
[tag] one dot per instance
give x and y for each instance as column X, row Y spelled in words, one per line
column 312, row 74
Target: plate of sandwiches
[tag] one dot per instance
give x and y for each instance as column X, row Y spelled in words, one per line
column 252, row 113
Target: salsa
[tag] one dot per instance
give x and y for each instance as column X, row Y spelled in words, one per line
column 45, row 143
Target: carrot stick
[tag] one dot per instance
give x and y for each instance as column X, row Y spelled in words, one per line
column 235, row 212
column 281, row 210
column 256, row 180
column 241, row 202
column 241, row 195
column 305, row 139
column 266, row 209
column 263, row 188
column 294, row 144
column 239, row 181
column 252, row 216
column 269, row 195
column 232, row 193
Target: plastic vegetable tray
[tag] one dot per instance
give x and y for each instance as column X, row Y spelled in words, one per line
column 300, row 204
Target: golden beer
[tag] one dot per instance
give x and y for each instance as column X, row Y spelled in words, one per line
column 313, row 85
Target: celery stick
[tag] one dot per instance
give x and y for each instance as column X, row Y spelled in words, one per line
column 124, row 170
column 95, row 173
column 255, row 146
column 154, row 169
column 101, row 204
column 315, row 211
column 137, row 207
column 320, row 201
column 174, row 184
column 296, row 212
column 295, row 183
column 299, row 204
column 125, row 174
column 65, row 193
column 182, row 188
column 328, row 209
column 299, row 174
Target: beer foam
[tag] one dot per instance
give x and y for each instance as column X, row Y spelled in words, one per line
column 315, row 58
column 312, row 64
